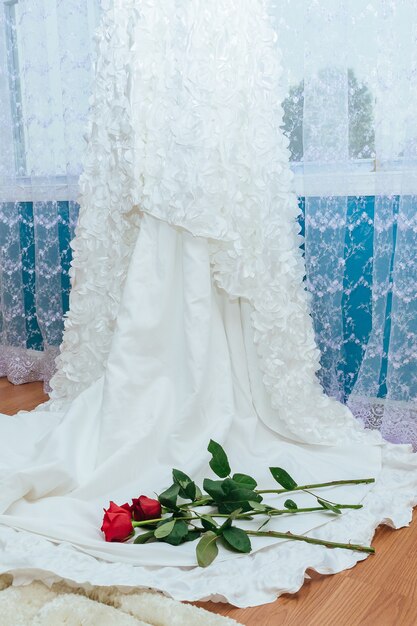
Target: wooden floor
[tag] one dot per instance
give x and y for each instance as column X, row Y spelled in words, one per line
column 381, row 591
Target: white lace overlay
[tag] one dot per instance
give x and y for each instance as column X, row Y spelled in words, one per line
column 216, row 166
column 107, row 226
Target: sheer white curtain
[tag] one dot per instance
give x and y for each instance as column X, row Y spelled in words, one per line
column 45, row 80
column 351, row 116
column 351, row 119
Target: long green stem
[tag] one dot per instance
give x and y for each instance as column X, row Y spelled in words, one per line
column 147, row 522
column 249, row 514
column 360, row 481
column 290, row 511
column 318, row 542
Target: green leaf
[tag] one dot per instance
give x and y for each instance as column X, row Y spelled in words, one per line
column 207, row 549
column 227, row 523
column 219, row 462
column 236, row 490
column 236, row 494
column 236, row 497
column 258, row 506
column 328, row 506
column 168, row 498
column 229, row 495
column 237, row 539
column 225, row 508
column 283, row 478
column 291, row 505
column 198, row 494
column 193, row 535
column 187, row 486
column 245, row 481
column 214, row 488
column 178, row 534
column 164, row 529
column 144, row 537
column 208, row 522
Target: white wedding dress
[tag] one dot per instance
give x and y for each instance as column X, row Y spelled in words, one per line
column 188, row 321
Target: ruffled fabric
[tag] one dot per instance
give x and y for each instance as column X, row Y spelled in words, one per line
column 218, row 165
column 108, row 224
column 186, row 126
column 249, row 580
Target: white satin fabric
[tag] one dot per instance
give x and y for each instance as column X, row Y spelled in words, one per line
column 178, row 373
column 181, row 370
column 188, row 321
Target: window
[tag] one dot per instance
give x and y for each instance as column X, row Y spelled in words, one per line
column 351, row 75
column 46, row 50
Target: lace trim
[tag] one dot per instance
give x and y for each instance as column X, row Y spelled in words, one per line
column 20, row 366
column 397, row 421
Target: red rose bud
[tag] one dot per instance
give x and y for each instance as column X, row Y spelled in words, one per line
column 117, row 522
column 144, row 508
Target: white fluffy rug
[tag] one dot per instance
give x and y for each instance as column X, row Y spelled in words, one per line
column 38, row 605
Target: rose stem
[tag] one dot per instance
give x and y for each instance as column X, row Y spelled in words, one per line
column 147, row 522
column 360, row 481
column 291, row 511
column 252, row 513
column 319, row 542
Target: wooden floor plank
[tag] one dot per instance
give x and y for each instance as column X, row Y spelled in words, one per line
column 15, row 398
column 380, row 591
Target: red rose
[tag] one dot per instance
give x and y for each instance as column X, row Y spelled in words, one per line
column 144, row 508
column 117, row 522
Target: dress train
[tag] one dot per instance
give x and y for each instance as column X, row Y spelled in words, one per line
column 188, row 321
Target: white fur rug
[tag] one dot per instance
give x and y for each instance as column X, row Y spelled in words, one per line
column 61, row 605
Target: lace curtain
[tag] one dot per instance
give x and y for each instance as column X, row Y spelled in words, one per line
column 351, row 119
column 45, row 80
